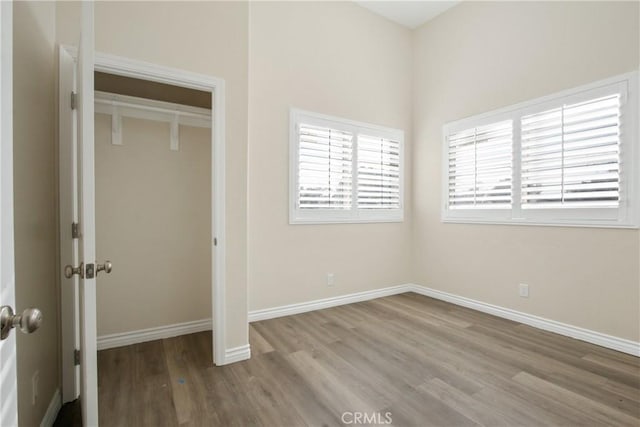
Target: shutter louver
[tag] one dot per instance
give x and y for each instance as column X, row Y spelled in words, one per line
column 571, row 156
column 378, row 173
column 324, row 168
column 480, row 167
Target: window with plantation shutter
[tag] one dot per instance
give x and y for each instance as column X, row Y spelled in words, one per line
column 378, row 173
column 480, row 167
column 565, row 159
column 571, row 155
column 325, row 168
column 344, row 171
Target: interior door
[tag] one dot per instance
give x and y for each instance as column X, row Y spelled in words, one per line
column 68, row 205
column 86, row 220
column 8, row 384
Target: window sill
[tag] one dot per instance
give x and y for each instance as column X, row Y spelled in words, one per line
column 545, row 223
column 324, row 221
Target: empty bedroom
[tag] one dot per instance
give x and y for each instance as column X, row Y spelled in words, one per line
column 320, row 213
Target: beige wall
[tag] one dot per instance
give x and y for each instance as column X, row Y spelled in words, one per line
column 204, row 37
column 153, row 221
column 344, row 61
column 481, row 56
column 339, row 59
column 35, row 201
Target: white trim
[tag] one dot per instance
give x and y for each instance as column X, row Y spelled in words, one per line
column 52, row 410
column 593, row 337
column 216, row 86
column 68, row 209
column 151, row 334
column 627, row 215
column 288, row 310
column 354, row 214
column 8, row 358
column 118, row 105
column 237, row 354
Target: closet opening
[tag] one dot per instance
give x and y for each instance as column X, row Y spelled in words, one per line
column 153, row 199
column 155, row 184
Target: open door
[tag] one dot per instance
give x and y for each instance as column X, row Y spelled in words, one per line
column 78, row 211
column 8, row 384
column 86, row 221
column 30, row 319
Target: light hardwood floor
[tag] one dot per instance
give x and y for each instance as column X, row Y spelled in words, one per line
column 426, row 362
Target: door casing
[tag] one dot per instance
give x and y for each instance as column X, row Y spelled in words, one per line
column 126, row 67
column 8, row 360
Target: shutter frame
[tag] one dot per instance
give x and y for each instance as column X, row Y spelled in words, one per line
column 298, row 215
column 626, row 215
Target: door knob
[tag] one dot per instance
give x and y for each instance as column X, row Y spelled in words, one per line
column 27, row 322
column 106, row 267
column 70, row 270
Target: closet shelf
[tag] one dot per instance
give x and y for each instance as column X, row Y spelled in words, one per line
column 119, row 106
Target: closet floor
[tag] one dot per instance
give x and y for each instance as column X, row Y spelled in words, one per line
column 405, row 359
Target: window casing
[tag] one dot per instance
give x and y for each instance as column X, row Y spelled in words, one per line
column 343, row 171
column 568, row 159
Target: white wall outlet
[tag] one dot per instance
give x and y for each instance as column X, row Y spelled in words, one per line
column 523, row 289
column 331, row 279
column 35, row 382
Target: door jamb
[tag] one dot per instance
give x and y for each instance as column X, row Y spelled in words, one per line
column 216, row 86
column 8, row 355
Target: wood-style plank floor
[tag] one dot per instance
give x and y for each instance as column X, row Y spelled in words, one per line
column 407, row 358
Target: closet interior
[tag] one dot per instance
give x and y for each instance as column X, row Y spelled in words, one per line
column 153, row 169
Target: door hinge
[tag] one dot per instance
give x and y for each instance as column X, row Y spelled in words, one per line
column 75, row 232
column 76, row 357
column 74, row 100
column 215, row 241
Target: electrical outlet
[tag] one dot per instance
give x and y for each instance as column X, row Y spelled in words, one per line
column 35, row 382
column 523, row 288
column 331, row 279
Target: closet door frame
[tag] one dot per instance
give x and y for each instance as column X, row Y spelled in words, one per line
column 126, row 67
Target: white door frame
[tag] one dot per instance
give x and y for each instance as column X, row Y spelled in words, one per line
column 8, row 360
column 126, row 67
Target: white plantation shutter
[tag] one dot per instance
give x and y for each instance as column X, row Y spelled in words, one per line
column 571, row 156
column 324, row 168
column 378, row 173
column 565, row 159
column 343, row 171
column 481, row 167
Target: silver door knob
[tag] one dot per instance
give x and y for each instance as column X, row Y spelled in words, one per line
column 28, row 321
column 70, row 270
column 106, row 267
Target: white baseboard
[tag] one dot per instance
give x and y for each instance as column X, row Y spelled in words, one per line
column 237, row 354
column 152, row 334
column 593, row 337
column 243, row 352
column 598, row 338
column 288, row 310
column 53, row 409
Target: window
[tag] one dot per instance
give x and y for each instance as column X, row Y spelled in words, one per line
column 565, row 159
column 344, row 171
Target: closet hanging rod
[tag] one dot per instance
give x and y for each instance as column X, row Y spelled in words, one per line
column 165, row 108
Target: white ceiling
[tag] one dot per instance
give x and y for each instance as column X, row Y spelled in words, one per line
column 411, row 14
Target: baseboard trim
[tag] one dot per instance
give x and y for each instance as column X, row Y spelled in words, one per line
column 152, row 334
column 288, row 310
column 52, row 410
column 237, row 354
column 593, row 337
